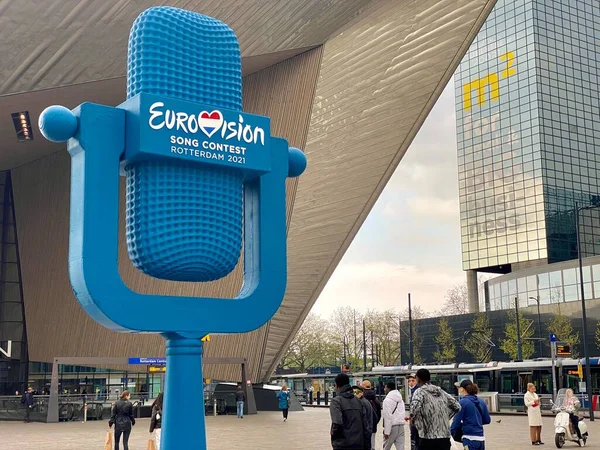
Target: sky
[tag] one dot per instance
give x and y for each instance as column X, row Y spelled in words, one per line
column 410, row 241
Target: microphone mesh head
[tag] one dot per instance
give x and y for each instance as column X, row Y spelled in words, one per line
column 184, row 220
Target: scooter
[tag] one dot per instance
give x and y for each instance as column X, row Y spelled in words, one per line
column 562, row 425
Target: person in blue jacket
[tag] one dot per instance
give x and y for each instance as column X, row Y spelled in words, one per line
column 471, row 418
column 284, row 401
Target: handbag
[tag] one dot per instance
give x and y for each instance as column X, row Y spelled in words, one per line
column 108, row 441
column 151, row 444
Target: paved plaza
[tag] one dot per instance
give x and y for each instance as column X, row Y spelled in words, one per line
column 308, row 430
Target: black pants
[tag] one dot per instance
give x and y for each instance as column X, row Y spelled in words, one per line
column 126, row 434
column 414, row 438
column 285, row 412
column 28, row 413
column 433, row 444
column 575, row 421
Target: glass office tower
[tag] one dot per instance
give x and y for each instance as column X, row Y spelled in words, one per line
column 528, row 129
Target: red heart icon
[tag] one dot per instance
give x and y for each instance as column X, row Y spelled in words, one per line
column 214, row 115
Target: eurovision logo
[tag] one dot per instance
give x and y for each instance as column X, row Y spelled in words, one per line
column 208, row 122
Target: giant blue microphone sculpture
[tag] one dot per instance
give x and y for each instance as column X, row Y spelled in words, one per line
column 201, row 175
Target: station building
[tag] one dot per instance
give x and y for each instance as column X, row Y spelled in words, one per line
column 349, row 82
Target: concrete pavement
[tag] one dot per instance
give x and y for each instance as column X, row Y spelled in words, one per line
column 308, row 430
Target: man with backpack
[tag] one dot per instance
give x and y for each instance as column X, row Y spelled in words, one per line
column 369, row 395
column 393, row 418
column 350, row 418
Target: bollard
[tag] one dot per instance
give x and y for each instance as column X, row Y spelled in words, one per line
column 318, row 398
column 326, row 398
column 215, row 407
column 84, row 413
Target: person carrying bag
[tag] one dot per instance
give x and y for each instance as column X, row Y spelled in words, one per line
column 155, row 423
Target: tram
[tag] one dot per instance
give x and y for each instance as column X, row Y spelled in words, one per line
column 494, row 376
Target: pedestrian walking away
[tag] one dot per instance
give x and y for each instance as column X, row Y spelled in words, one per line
column 240, row 398
column 467, row 426
column 156, row 419
column 371, row 417
column 534, row 415
column 369, row 394
column 123, row 420
column 284, row 401
column 350, row 420
column 430, row 411
column 394, row 415
column 27, row 400
column 412, row 387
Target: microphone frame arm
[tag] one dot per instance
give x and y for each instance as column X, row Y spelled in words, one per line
column 96, row 150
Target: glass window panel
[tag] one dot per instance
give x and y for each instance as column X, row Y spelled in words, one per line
column 532, row 283
column 555, row 278
column 512, row 287
column 596, row 272
column 571, row 293
column 544, row 280
column 544, row 296
column 570, row 276
column 586, row 274
column 522, row 285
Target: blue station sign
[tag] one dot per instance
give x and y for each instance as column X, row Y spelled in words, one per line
column 147, row 361
column 166, row 127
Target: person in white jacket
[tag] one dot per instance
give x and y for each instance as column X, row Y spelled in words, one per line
column 393, row 418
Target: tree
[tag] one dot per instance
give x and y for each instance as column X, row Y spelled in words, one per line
column 509, row 344
column 310, row 347
column 446, row 349
column 346, row 330
column 456, row 301
column 562, row 327
column 417, row 314
column 386, row 336
column 479, row 340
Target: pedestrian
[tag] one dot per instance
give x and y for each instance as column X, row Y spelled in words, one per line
column 371, row 417
column 369, row 394
column 412, row 387
column 28, row 401
column 394, row 413
column 123, row 420
column 240, row 398
column 311, row 393
column 350, row 428
column 156, row 419
column 430, row 411
column 284, row 401
column 534, row 415
column 467, row 426
column 572, row 403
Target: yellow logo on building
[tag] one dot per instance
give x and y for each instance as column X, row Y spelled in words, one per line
column 491, row 80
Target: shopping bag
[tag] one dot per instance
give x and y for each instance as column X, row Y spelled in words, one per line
column 151, row 444
column 108, row 441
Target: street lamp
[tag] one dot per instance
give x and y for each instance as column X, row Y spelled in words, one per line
column 588, row 370
column 519, row 347
column 537, row 300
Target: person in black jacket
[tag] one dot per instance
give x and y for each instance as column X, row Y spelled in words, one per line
column 369, row 394
column 240, row 398
column 350, row 419
column 123, row 420
column 156, row 419
column 27, row 401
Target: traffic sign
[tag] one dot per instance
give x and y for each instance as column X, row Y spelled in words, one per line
column 147, row 361
column 563, row 349
column 553, row 337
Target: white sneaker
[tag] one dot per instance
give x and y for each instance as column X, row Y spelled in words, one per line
column 581, row 443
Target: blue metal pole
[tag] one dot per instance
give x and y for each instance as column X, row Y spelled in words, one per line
column 183, row 423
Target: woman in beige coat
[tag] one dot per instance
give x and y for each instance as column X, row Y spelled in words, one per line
column 534, row 414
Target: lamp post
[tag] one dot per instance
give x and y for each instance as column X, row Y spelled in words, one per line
column 588, row 370
column 519, row 346
column 537, row 300
column 411, row 354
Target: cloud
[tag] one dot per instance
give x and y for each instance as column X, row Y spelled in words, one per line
column 433, row 207
column 382, row 285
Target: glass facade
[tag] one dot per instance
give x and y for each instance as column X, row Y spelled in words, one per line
column 13, row 369
column 550, row 285
column 527, row 127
